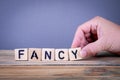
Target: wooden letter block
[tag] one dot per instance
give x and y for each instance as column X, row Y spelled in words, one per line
column 35, row 54
column 61, row 54
column 48, row 54
column 21, row 54
column 74, row 54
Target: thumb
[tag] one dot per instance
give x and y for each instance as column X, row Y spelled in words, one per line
column 92, row 49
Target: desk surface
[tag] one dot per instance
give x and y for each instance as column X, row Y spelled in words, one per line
column 95, row 68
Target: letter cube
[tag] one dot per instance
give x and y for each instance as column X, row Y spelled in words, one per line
column 35, row 54
column 48, row 54
column 21, row 54
column 74, row 53
column 61, row 54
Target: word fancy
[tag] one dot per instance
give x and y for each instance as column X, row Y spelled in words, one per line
column 47, row 54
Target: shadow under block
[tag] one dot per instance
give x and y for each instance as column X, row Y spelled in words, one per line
column 61, row 54
column 21, row 54
column 74, row 53
column 48, row 54
column 35, row 54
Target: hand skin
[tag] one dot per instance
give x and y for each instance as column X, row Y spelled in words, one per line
column 96, row 35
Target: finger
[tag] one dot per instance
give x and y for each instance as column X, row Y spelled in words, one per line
column 92, row 49
column 79, row 38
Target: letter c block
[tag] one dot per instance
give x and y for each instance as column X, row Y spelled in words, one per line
column 61, row 54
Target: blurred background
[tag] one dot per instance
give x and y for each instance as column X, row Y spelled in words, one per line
column 49, row 23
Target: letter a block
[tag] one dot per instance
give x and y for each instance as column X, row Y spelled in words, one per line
column 21, row 54
column 48, row 54
column 35, row 54
column 74, row 54
column 61, row 54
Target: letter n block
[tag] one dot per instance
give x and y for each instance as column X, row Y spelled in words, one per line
column 48, row 54
column 35, row 54
column 74, row 53
column 21, row 54
column 61, row 54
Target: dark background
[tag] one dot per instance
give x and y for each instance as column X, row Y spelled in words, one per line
column 49, row 23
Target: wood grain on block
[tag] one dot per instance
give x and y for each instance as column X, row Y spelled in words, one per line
column 74, row 53
column 35, row 54
column 21, row 54
column 48, row 54
column 61, row 54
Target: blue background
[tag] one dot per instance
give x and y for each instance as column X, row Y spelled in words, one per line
column 49, row 23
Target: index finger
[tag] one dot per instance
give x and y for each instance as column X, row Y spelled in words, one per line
column 82, row 32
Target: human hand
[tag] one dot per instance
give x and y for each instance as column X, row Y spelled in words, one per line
column 97, row 35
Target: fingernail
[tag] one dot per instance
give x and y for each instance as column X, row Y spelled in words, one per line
column 83, row 53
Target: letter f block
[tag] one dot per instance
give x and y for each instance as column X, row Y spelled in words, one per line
column 21, row 54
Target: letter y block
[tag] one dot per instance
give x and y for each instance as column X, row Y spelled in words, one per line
column 74, row 53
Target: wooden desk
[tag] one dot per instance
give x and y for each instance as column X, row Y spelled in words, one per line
column 96, row 68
